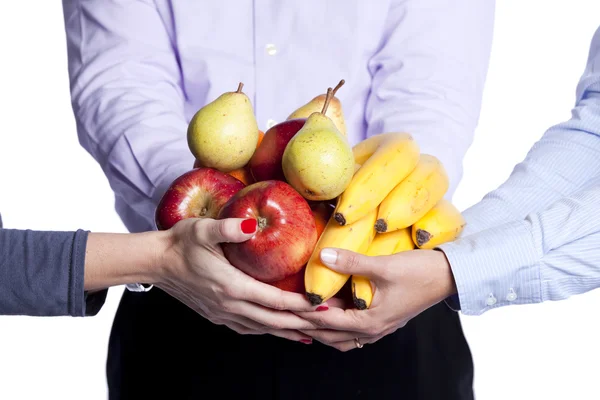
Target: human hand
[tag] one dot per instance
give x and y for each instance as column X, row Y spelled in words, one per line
column 405, row 284
column 195, row 271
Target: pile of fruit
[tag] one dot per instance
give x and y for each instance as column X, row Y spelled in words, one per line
column 308, row 189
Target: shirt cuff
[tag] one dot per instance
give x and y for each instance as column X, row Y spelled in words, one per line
column 495, row 268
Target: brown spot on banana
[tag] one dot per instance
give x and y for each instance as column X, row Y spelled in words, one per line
column 423, row 237
column 381, row 225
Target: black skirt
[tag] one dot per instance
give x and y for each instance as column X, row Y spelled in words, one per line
column 160, row 349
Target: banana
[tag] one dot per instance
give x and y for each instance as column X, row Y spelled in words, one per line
column 385, row 244
column 405, row 242
column 443, row 223
column 362, row 292
column 385, row 159
column 410, row 200
column 320, row 281
column 382, row 245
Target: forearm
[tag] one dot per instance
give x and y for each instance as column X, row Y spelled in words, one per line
column 114, row 259
column 67, row 273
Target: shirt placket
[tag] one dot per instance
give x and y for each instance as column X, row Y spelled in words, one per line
column 265, row 66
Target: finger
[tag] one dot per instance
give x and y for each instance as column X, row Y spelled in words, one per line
column 277, row 299
column 245, row 326
column 291, row 335
column 339, row 303
column 351, row 344
column 272, row 319
column 241, row 329
column 352, row 263
column 253, row 326
column 234, row 230
column 345, row 346
column 328, row 336
column 338, row 319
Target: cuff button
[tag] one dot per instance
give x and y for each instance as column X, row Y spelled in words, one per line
column 511, row 296
column 491, row 300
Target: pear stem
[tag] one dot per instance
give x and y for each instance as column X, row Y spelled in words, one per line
column 327, row 100
column 339, row 85
column 239, row 89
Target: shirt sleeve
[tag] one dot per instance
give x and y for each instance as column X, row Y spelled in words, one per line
column 127, row 97
column 429, row 74
column 550, row 255
column 559, row 164
column 42, row 274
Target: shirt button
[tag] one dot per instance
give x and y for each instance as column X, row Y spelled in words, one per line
column 511, row 296
column 270, row 123
column 491, row 300
column 271, row 49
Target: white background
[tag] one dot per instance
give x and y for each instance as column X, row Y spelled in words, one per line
column 48, row 182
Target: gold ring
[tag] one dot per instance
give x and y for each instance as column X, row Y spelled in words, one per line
column 358, row 345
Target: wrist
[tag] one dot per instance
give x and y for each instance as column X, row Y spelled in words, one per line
column 164, row 257
column 114, row 259
column 446, row 281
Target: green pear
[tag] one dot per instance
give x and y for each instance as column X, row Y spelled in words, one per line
column 223, row 134
column 318, row 161
column 334, row 110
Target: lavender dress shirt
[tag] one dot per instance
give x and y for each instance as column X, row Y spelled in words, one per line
column 140, row 69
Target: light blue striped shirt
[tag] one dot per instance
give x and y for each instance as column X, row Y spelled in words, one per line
column 537, row 237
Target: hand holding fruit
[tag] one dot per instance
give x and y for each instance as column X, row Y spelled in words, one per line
column 307, row 189
column 195, row 272
column 405, row 284
column 237, row 174
column 286, row 233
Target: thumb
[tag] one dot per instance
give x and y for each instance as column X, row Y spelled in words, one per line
column 234, row 230
column 349, row 262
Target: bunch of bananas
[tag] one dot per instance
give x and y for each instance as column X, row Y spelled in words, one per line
column 395, row 202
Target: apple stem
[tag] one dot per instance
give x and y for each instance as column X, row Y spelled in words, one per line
column 239, row 89
column 262, row 222
column 339, row 85
column 327, row 100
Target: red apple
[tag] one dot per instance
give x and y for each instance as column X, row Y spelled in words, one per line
column 293, row 283
column 199, row 193
column 286, row 233
column 265, row 164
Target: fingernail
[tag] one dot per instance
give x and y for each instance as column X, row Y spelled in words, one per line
column 306, row 341
column 249, row 225
column 328, row 256
column 322, row 308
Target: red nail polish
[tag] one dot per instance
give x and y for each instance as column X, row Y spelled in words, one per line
column 322, row 308
column 306, row 341
column 249, row 225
